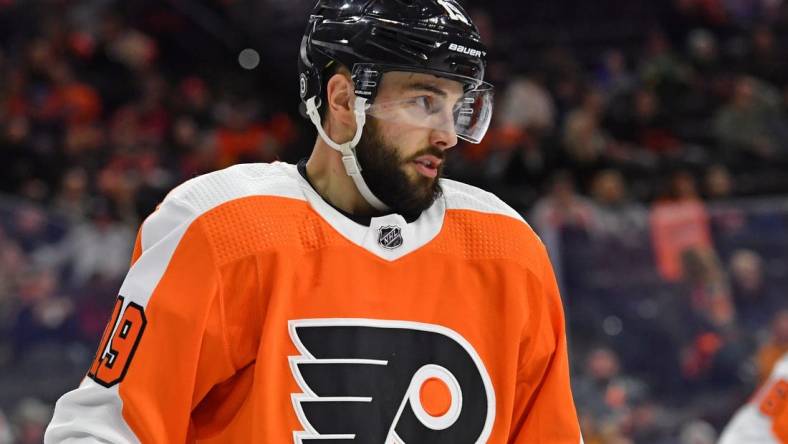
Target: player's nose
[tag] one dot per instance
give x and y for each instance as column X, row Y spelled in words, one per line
column 444, row 137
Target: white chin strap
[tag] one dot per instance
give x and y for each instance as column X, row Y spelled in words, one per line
column 347, row 149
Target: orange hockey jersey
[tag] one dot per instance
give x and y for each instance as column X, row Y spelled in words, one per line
column 255, row 312
column 763, row 420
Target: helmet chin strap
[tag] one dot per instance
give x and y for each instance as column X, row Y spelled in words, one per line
column 348, row 150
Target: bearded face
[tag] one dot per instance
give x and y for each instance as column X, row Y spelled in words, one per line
column 395, row 179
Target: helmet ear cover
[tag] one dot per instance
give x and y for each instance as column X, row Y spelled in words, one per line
column 310, row 79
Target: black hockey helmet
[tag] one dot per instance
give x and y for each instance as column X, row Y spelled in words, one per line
column 371, row 37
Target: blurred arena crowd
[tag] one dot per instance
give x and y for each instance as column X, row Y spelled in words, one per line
column 646, row 143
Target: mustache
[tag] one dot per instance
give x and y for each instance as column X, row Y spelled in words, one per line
column 429, row 151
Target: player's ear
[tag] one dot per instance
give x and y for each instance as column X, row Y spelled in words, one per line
column 340, row 97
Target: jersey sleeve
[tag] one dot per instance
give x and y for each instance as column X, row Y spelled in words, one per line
column 164, row 347
column 544, row 411
column 764, row 419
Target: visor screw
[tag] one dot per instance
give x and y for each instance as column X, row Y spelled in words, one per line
column 302, row 86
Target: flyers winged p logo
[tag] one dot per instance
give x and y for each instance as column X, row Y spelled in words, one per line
column 375, row 381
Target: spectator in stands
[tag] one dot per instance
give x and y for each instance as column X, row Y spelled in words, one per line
column 715, row 349
column 515, row 153
column 196, row 151
column 765, row 61
column 562, row 209
column 650, row 126
column 528, row 105
column 650, row 421
column 100, row 246
column 194, row 99
column 153, row 115
column 679, row 222
column 663, row 70
column 44, row 314
column 710, row 297
column 72, row 198
column 718, row 183
column 30, row 420
column 686, row 15
column 774, row 347
column 13, row 263
column 613, row 77
column 749, row 127
column 6, row 432
column 21, row 161
column 562, row 206
column 706, row 83
column 32, row 229
column 241, row 136
column 125, row 44
column 703, row 52
column 586, row 143
column 595, row 432
column 92, row 307
column 639, row 122
column 73, row 101
column 697, row 432
column 181, row 154
column 144, row 121
column 564, row 78
column 605, row 394
column 619, row 217
column 756, row 302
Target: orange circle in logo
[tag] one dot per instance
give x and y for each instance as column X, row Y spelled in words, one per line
column 435, row 397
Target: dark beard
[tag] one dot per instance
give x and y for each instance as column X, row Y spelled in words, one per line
column 382, row 170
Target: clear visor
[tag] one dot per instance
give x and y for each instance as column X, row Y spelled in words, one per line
column 466, row 115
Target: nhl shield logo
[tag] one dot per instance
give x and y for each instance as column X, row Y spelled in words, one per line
column 390, row 237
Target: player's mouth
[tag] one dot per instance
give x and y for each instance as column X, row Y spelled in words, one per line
column 427, row 165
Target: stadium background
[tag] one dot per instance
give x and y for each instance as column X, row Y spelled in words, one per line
column 645, row 141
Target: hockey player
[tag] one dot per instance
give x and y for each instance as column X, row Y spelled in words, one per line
column 356, row 297
column 764, row 419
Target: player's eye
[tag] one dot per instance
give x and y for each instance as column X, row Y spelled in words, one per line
column 426, row 104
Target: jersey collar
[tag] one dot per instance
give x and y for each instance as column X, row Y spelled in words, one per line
column 390, row 236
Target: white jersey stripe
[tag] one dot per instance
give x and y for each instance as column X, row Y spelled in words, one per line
column 96, row 411
column 89, row 414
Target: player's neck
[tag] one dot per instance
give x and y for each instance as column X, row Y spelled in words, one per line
column 327, row 175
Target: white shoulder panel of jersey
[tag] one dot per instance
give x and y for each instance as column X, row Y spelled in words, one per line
column 461, row 196
column 749, row 425
column 213, row 189
column 94, row 413
column 780, row 370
